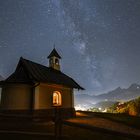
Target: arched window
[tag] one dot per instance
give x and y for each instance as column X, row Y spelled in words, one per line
column 57, row 99
column 56, row 61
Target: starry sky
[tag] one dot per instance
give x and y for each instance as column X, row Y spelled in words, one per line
column 99, row 40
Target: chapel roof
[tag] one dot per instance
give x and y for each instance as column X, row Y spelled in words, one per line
column 54, row 53
column 31, row 72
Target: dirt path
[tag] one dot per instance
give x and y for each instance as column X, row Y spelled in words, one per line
column 90, row 121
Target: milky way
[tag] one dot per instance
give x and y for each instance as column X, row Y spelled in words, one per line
column 99, row 40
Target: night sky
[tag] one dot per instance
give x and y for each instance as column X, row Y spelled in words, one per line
column 99, row 40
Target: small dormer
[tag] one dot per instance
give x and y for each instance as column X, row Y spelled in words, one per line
column 54, row 58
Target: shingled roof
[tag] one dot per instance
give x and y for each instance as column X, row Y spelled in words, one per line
column 31, row 72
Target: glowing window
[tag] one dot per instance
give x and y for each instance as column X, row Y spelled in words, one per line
column 56, row 61
column 57, row 99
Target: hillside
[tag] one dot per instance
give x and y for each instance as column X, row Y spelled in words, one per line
column 122, row 94
column 118, row 94
column 1, row 78
column 104, row 104
column 131, row 107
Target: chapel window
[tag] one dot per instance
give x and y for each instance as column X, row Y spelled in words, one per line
column 57, row 99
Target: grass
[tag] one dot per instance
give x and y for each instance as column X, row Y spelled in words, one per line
column 70, row 132
column 84, row 134
column 132, row 121
column 5, row 136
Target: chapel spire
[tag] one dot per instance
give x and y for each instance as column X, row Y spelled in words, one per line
column 54, row 58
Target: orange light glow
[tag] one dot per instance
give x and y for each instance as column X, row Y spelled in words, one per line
column 57, row 99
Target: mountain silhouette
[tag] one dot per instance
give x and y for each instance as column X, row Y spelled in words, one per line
column 118, row 94
column 122, row 94
column 1, row 78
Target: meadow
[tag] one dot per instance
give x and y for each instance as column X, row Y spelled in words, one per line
column 11, row 128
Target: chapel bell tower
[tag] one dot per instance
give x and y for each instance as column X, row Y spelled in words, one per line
column 54, row 58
